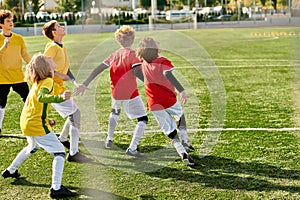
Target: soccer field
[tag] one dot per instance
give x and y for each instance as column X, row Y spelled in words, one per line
column 243, row 117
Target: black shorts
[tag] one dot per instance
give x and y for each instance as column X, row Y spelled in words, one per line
column 21, row 88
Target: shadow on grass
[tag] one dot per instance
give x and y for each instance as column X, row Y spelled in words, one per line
column 98, row 194
column 23, row 181
column 229, row 174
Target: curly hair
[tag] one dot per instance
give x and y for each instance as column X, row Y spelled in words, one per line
column 125, row 36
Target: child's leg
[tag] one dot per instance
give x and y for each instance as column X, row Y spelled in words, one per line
column 2, row 111
column 57, row 170
column 112, row 123
column 23, row 155
column 138, row 132
column 52, row 145
column 65, row 131
column 74, row 132
column 176, row 143
column 181, row 124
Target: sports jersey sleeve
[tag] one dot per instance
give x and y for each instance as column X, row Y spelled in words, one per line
column 44, row 95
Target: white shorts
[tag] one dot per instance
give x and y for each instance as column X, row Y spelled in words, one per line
column 134, row 108
column 49, row 142
column 65, row 108
column 165, row 117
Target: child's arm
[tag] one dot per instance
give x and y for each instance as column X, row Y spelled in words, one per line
column 138, row 72
column 45, row 97
column 81, row 88
column 169, row 75
column 64, row 77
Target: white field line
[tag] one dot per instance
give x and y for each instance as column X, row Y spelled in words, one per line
column 189, row 130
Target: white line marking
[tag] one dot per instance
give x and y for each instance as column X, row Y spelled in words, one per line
column 189, row 130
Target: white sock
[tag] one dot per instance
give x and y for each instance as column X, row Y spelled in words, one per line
column 74, row 140
column 178, row 146
column 2, row 111
column 184, row 136
column 112, row 123
column 20, row 158
column 57, row 171
column 65, row 131
column 138, row 133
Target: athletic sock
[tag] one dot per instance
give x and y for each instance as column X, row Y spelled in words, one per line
column 65, row 131
column 2, row 111
column 57, row 171
column 74, row 140
column 138, row 133
column 20, row 158
column 112, row 123
column 178, row 146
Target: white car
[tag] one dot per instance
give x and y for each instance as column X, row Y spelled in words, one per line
column 42, row 15
column 29, row 15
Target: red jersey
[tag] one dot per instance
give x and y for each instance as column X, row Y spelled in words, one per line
column 122, row 79
column 160, row 92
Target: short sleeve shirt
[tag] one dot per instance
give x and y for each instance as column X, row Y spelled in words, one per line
column 34, row 117
column 160, row 92
column 122, row 79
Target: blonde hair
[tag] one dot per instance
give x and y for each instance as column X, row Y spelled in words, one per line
column 38, row 68
column 148, row 49
column 125, row 36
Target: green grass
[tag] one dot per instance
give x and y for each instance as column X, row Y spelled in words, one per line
column 234, row 80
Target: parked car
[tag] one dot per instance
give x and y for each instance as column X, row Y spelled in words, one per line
column 29, row 15
column 68, row 15
column 223, row 17
column 81, row 14
column 42, row 15
column 55, row 15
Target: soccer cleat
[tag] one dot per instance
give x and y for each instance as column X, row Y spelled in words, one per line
column 63, row 192
column 108, row 144
column 66, row 144
column 79, row 158
column 188, row 159
column 188, row 147
column 134, row 153
column 7, row 174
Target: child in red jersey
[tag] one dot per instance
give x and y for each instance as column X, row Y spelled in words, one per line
column 161, row 98
column 123, row 88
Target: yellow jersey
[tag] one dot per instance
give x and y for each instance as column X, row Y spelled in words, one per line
column 34, row 117
column 11, row 71
column 60, row 57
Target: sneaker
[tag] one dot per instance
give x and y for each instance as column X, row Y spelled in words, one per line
column 188, row 147
column 79, row 158
column 188, row 159
column 7, row 174
column 62, row 193
column 108, row 144
column 66, row 144
column 134, row 153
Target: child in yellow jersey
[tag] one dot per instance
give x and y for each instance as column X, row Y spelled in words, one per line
column 35, row 124
column 58, row 52
column 12, row 51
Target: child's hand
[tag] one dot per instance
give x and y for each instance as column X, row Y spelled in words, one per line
column 66, row 95
column 52, row 122
column 80, row 88
column 6, row 41
column 183, row 97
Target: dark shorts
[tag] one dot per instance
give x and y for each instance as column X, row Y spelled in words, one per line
column 21, row 88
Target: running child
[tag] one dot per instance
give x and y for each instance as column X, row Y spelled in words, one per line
column 35, row 124
column 58, row 52
column 160, row 86
column 12, row 51
column 123, row 88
